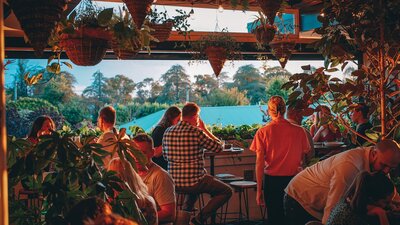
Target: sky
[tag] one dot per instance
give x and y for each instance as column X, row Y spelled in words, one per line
column 137, row 70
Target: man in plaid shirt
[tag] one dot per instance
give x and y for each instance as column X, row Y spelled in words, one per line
column 183, row 148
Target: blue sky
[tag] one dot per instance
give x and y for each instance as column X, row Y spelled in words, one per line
column 137, row 70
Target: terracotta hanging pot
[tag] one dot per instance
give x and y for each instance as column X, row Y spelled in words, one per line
column 282, row 50
column 161, row 31
column 270, row 8
column 217, row 57
column 139, row 10
column 38, row 19
column 87, row 46
column 126, row 52
column 265, row 34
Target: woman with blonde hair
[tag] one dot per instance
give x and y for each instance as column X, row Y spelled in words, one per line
column 133, row 181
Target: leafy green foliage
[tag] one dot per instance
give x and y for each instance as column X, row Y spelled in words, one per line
column 232, row 132
column 76, row 173
column 225, row 97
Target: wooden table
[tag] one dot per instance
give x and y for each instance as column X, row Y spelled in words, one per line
column 232, row 151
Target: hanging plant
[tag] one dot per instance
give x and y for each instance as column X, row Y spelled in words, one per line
column 38, row 19
column 127, row 39
column 162, row 24
column 84, row 36
column 282, row 50
column 270, row 8
column 138, row 9
column 264, row 32
column 217, row 48
column 282, row 46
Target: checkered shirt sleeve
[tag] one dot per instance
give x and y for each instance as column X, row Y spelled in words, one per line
column 183, row 148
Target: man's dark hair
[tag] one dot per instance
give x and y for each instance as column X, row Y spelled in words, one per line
column 108, row 114
column 190, row 109
column 364, row 109
column 87, row 209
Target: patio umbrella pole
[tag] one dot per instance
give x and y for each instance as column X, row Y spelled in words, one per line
column 3, row 132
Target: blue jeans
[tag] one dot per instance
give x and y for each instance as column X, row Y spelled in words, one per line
column 219, row 191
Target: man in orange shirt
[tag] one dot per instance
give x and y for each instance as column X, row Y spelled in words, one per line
column 281, row 148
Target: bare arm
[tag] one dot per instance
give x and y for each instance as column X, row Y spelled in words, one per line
column 259, row 177
column 206, row 131
column 158, row 151
column 167, row 213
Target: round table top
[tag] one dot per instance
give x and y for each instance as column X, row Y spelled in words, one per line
column 243, row 183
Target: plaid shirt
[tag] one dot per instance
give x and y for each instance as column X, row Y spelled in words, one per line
column 183, row 148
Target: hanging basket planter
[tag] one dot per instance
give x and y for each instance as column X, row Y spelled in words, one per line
column 270, row 8
column 38, row 19
column 264, row 34
column 217, row 57
column 87, row 46
column 161, row 31
column 138, row 9
column 126, row 52
column 282, row 50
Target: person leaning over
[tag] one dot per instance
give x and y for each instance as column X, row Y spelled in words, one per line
column 183, row 148
column 281, row 148
column 159, row 183
column 313, row 192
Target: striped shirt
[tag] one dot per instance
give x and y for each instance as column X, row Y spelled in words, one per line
column 183, row 148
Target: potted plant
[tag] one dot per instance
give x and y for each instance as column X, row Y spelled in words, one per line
column 281, row 45
column 127, row 40
column 270, row 8
column 85, row 36
column 139, row 10
column 264, row 32
column 162, row 24
column 38, row 19
column 217, row 47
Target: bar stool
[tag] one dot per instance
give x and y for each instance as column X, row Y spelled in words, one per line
column 242, row 187
column 180, row 198
column 226, row 178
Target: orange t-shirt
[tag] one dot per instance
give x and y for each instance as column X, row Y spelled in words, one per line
column 284, row 145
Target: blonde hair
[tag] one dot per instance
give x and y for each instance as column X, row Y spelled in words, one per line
column 131, row 179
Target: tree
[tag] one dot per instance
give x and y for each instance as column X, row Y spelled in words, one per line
column 96, row 89
column 176, row 85
column 204, row 84
column 144, row 90
column 225, row 97
column 247, row 78
column 274, row 87
column 75, row 111
column 119, row 89
column 59, row 90
column 223, row 79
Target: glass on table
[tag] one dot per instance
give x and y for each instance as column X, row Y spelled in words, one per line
column 226, row 145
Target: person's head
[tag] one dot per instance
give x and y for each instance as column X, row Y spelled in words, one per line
column 171, row 116
column 190, row 113
column 370, row 189
column 145, row 144
column 87, row 209
column 323, row 111
column 107, row 118
column 276, row 107
column 294, row 115
column 385, row 156
column 360, row 113
column 41, row 126
column 110, row 219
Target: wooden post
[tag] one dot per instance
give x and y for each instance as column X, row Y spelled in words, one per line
column 3, row 132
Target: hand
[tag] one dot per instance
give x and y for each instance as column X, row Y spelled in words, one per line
column 260, row 198
column 375, row 211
